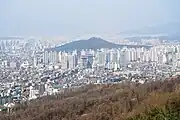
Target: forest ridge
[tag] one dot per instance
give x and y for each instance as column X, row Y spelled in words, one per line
column 156, row 100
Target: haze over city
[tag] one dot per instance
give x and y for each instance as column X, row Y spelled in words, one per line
column 68, row 19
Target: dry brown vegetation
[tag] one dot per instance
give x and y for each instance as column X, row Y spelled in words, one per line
column 99, row 102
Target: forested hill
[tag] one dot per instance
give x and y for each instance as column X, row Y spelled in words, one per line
column 93, row 43
column 159, row 100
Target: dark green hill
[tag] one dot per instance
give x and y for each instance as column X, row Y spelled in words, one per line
column 92, row 43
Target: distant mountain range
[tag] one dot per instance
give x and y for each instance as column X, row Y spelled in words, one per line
column 169, row 32
column 168, row 38
column 92, row 43
column 163, row 29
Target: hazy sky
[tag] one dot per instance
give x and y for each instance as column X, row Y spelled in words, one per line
column 79, row 17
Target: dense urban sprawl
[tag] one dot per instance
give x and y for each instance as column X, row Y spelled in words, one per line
column 29, row 69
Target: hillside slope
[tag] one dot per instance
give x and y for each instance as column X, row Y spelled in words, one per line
column 102, row 102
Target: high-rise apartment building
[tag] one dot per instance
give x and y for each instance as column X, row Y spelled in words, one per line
column 64, row 60
column 50, row 57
